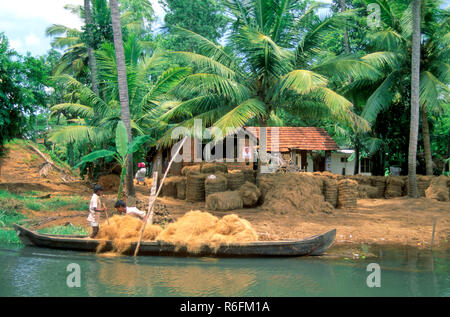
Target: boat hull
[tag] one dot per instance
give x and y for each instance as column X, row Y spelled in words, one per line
column 314, row 245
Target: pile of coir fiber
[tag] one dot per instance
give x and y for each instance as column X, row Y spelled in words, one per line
column 228, row 200
column 235, row 179
column 169, row 187
column 181, row 188
column 109, row 182
column 367, row 191
column 195, row 187
column 196, row 229
column 123, row 231
column 293, row 192
column 394, row 187
column 347, row 193
column 380, row 183
column 330, row 190
column 439, row 188
column 211, row 168
column 190, row 169
column 250, row 194
column 215, row 183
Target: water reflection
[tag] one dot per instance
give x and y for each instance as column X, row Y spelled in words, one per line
column 42, row 272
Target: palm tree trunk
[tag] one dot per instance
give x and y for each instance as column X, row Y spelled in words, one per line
column 346, row 41
column 92, row 60
column 123, row 88
column 414, row 124
column 426, row 142
column 356, row 170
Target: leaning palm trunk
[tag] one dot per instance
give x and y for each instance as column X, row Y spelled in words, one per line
column 123, row 88
column 92, row 61
column 426, row 142
column 414, row 126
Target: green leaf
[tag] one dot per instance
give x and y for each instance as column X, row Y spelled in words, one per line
column 137, row 142
column 121, row 139
column 94, row 156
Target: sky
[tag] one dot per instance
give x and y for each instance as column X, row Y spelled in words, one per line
column 24, row 22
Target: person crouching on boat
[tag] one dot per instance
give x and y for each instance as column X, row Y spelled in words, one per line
column 95, row 207
column 122, row 208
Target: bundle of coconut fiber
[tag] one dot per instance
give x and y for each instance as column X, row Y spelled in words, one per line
column 123, row 231
column 235, row 179
column 362, row 180
column 347, row 193
column 181, row 188
column 109, row 182
column 249, row 175
column 439, row 188
column 293, row 192
column 394, row 187
column 197, row 229
column 367, row 191
column 250, row 194
column 330, row 190
column 211, row 168
column 423, row 182
column 195, row 187
column 169, row 187
column 190, row 169
column 215, row 183
column 228, row 200
column 380, row 183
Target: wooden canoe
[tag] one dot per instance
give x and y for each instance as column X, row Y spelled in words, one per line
column 314, row 245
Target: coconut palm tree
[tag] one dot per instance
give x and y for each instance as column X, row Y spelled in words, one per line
column 92, row 61
column 273, row 61
column 92, row 120
column 415, row 83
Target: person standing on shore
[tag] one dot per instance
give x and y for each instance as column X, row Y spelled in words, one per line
column 95, row 207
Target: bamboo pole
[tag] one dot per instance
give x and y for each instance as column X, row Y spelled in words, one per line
column 149, row 216
column 432, row 235
column 106, row 213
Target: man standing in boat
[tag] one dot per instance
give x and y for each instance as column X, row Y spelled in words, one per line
column 95, row 207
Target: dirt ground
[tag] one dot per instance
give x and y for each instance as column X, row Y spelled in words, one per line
column 396, row 221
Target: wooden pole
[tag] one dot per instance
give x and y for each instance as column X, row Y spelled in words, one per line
column 149, row 215
column 106, row 213
column 432, row 235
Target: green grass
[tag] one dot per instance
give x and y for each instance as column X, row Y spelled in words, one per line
column 9, row 236
column 14, row 202
column 69, row 230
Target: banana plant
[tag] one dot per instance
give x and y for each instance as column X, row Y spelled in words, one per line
column 123, row 149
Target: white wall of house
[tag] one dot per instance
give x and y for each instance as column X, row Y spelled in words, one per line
column 338, row 163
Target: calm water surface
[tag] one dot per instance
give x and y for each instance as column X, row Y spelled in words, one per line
column 43, row 272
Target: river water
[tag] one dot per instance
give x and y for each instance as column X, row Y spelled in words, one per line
column 29, row 271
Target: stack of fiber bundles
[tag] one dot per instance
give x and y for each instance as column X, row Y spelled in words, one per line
column 347, row 193
column 190, row 169
column 215, row 183
column 249, row 175
column 195, row 187
column 423, row 182
column 380, row 183
column 394, row 187
column 235, row 179
column 228, row 200
column 212, row 168
column 169, row 187
column 250, row 194
column 181, row 188
column 330, row 190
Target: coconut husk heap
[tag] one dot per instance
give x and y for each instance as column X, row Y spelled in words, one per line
column 161, row 214
column 212, row 168
column 250, row 194
column 380, row 183
column 235, row 179
column 190, row 169
column 197, row 229
column 394, row 187
column 330, row 190
column 195, row 187
column 169, row 187
column 181, row 189
column 293, row 193
column 249, row 175
column 347, row 193
column 109, row 182
column 123, row 231
column 439, row 188
column 215, row 183
column 228, row 200
column 367, row 191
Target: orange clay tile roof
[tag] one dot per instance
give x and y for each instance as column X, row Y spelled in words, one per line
column 300, row 138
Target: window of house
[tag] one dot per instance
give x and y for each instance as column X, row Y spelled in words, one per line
column 366, row 165
column 344, row 159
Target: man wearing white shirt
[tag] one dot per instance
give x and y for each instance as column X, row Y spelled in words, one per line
column 122, row 208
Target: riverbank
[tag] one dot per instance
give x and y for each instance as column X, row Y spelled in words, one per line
column 46, row 202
